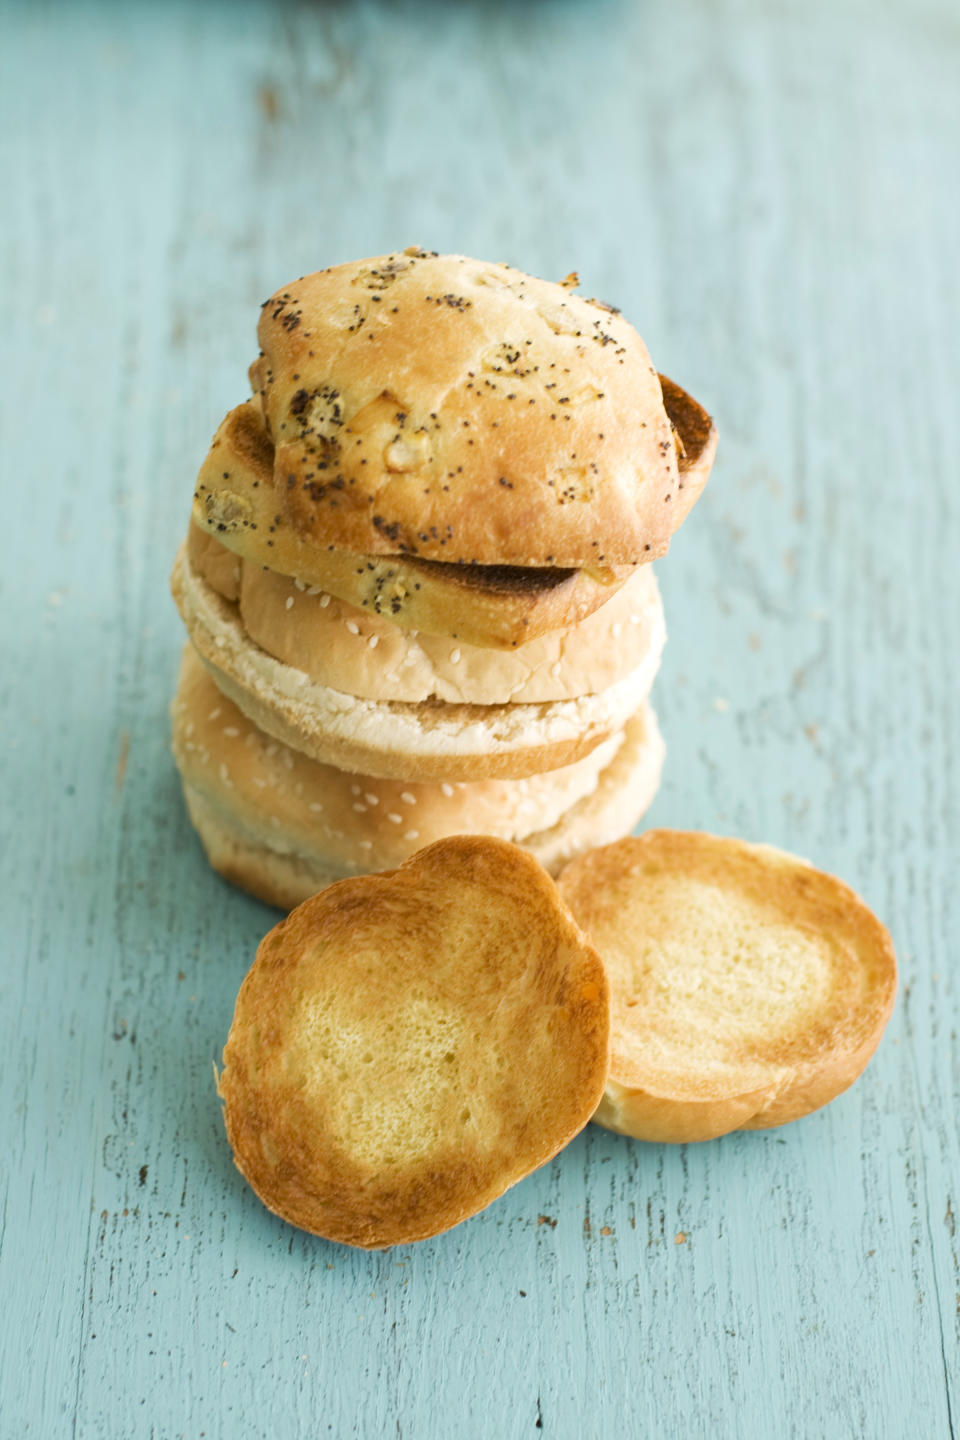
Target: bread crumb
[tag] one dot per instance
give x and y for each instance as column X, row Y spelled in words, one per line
column 680, row 1238
column 721, row 704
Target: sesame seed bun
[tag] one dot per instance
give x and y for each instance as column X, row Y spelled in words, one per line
column 430, row 740
column 283, row 826
column 367, row 655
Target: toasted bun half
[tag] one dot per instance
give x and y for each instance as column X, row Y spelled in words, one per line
column 283, row 826
column 748, row 987
column 237, row 502
column 393, row 739
column 365, row 655
column 465, row 412
column 407, row 1046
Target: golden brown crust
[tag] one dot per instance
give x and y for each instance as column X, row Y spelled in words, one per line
column 366, row 655
column 396, row 740
column 283, row 826
column 749, row 988
column 466, row 412
column 407, row 1046
column 236, row 502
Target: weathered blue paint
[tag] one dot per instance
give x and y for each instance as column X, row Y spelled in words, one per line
column 769, row 189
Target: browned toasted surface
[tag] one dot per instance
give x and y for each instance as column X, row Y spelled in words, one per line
column 748, row 987
column 406, row 1046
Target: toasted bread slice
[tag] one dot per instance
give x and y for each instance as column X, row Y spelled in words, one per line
column 748, row 987
column 238, row 504
column 406, row 1046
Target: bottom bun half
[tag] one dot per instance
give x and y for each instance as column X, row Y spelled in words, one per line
column 284, row 826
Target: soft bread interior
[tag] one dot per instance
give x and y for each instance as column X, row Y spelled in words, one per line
column 406, row 1046
column 748, row 987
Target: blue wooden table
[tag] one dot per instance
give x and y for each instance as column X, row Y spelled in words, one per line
column 769, row 189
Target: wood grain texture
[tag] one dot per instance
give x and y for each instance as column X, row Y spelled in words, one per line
column 768, row 189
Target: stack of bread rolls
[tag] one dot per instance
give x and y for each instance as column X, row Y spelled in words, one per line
column 417, row 578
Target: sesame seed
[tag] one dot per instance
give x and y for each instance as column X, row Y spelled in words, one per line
column 214, row 714
column 635, row 619
column 366, row 844
column 372, row 799
column 189, row 729
column 455, row 657
column 408, row 799
column 316, row 807
column 299, row 584
column 395, row 819
column 224, row 773
column 412, row 835
column 374, row 641
column 231, row 730
column 324, row 601
column 617, row 628
column 289, row 602
column 360, row 809
column 555, row 669
column 356, row 789
column 447, row 789
column 353, row 627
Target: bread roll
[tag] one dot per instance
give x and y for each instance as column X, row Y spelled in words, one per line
column 748, row 987
column 366, row 655
column 390, row 739
column 283, row 826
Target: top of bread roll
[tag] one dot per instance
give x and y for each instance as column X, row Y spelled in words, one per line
column 409, row 1045
column 465, row 412
column 748, row 987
